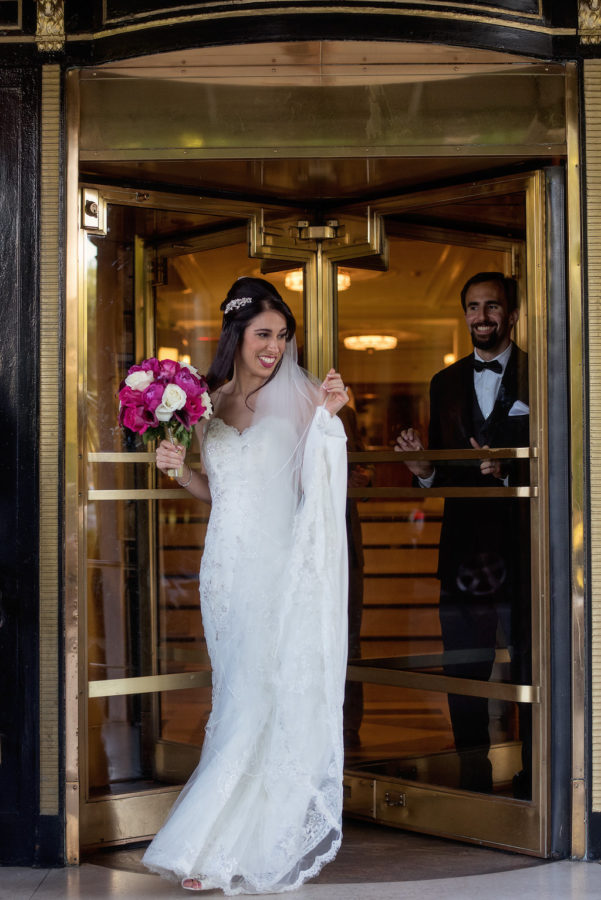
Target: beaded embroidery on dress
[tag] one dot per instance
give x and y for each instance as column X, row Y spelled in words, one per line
column 262, row 812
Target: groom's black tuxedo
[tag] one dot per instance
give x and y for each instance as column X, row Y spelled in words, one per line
column 483, row 562
column 474, row 526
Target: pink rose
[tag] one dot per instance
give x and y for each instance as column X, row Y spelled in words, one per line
column 137, row 418
column 129, row 397
column 133, row 418
column 195, row 408
column 149, row 365
column 188, row 383
column 169, row 369
column 152, row 396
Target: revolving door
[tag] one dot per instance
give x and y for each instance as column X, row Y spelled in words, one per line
column 371, row 291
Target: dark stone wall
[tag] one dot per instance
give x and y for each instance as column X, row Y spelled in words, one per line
column 102, row 31
column 19, row 330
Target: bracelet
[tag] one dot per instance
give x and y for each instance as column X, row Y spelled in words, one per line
column 186, row 483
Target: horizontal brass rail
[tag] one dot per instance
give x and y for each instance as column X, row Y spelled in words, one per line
column 443, row 455
column 423, row 681
column 359, row 456
column 138, row 494
column 137, row 457
column 409, row 492
column 392, row 492
column 147, row 684
column 517, row 693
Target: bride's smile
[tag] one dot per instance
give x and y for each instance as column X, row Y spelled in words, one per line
column 263, row 344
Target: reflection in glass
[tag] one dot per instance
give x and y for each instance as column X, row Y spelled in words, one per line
column 480, row 628
column 407, row 734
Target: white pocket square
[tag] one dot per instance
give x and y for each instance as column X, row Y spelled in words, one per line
column 519, row 409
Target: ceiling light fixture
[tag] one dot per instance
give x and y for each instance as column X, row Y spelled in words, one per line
column 294, row 280
column 168, row 353
column 370, row 342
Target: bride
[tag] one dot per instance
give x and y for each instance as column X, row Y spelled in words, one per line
column 262, row 811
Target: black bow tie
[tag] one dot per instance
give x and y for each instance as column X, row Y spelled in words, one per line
column 494, row 365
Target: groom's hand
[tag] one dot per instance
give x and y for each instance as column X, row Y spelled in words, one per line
column 409, row 439
column 488, row 466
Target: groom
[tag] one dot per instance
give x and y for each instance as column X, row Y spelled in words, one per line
column 482, row 401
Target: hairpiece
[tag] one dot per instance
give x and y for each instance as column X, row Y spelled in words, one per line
column 236, row 304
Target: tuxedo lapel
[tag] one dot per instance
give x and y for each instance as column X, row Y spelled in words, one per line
column 466, row 395
column 513, row 387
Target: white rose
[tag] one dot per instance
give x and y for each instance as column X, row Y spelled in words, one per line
column 173, row 398
column 209, row 407
column 192, row 369
column 139, row 381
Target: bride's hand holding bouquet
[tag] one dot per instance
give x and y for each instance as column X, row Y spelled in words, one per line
column 164, row 399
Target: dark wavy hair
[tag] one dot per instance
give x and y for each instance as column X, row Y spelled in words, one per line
column 509, row 285
column 263, row 297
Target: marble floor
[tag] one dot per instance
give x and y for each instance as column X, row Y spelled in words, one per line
column 375, row 863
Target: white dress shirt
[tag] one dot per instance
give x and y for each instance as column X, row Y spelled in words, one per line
column 487, row 383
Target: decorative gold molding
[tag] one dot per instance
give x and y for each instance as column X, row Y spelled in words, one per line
column 495, row 9
column 74, row 578
column 579, row 798
column 293, row 8
column 50, row 438
column 589, row 21
column 50, row 34
column 592, row 109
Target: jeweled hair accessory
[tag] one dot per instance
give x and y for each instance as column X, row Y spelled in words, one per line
column 236, row 304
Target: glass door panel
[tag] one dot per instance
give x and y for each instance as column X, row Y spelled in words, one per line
column 444, row 697
column 153, row 285
column 144, row 537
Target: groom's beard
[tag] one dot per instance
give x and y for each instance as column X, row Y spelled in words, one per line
column 489, row 341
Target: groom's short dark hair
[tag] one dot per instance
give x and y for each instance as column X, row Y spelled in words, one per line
column 509, row 285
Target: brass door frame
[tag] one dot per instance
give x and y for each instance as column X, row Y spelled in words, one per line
column 74, row 471
column 274, row 246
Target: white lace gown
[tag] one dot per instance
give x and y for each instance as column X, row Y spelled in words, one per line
column 262, row 811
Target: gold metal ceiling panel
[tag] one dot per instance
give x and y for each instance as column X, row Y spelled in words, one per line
column 387, row 104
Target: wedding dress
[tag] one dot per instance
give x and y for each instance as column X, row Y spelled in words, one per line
column 262, row 811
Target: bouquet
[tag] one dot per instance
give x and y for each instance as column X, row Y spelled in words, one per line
column 163, row 398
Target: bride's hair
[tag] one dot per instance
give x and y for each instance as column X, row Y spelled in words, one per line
column 247, row 298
